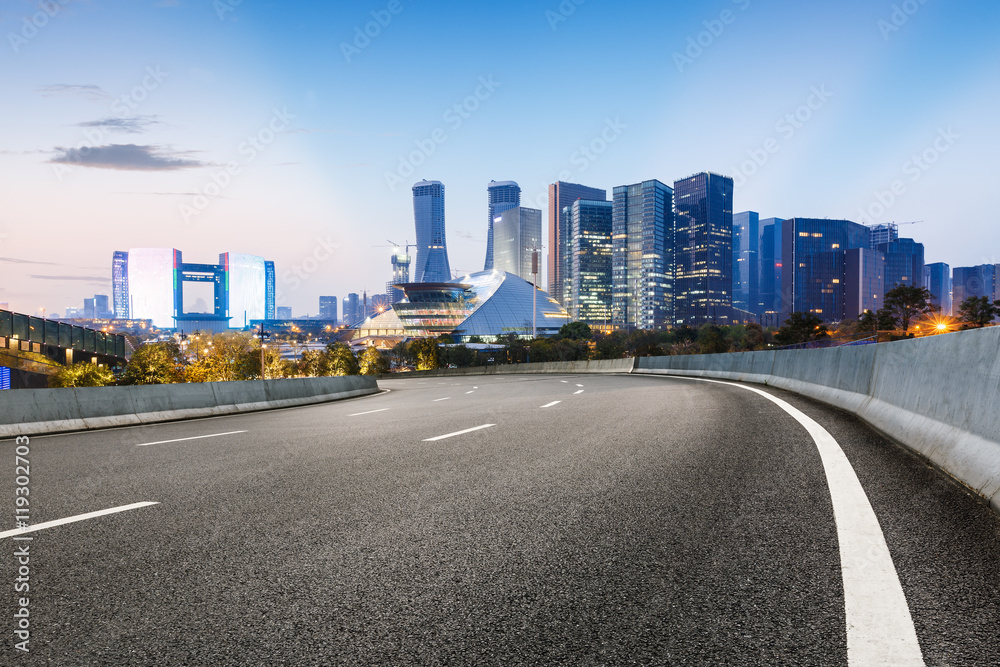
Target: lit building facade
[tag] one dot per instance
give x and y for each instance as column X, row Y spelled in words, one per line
column 119, row 284
column 703, row 247
column 517, row 234
column 937, row 281
column 588, row 276
column 561, row 196
column 245, row 288
column 269, row 291
column 400, row 274
column 814, row 270
column 487, row 304
column 153, row 285
column 501, row 196
column 428, row 217
column 328, row 308
column 746, row 261
column 642, row 256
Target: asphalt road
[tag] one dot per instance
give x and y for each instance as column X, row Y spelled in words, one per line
column 638, row 520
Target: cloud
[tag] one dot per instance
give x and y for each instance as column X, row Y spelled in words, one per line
column 129, row 157
column 88, row 91
column 97, row 279
column 32, row 152
column 134, row 125
column 15, row 260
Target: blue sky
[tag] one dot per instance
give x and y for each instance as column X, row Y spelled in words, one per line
column 264, row 127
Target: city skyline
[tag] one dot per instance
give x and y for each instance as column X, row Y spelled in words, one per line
column 190, row 133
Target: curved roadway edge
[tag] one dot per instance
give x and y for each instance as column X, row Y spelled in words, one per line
column 937, row 396
column 43, row 411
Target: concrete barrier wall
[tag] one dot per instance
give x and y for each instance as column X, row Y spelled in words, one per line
column 599, row 366
column 938, row 395
column 36, row 411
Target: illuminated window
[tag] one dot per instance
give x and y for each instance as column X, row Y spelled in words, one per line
column 836, row 245
column 836, row 281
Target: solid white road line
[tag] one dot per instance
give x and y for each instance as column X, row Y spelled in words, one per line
column 194, row 437
column 578, row 391
column 549, row 405
column 73, row 519
column 370, row 412
column 440, row 399
column 452, row 435
column 879, row 626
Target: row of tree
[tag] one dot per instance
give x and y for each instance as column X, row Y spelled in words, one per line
column 221, row 358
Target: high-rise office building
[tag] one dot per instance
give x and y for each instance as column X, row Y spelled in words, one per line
column 642, row 259
column 400, row 275
column 517, row 234
column 352, row 309
column 746, row 261
column 937, row 281
column 119, row 284
column 428, row 216
column 864, row 281
column 89, row 309
column 245, row 288
column 153, row 284
column 904, row 263
column 884, row 233
column 269, row 291
column 102, row 307
column 328, row 308
column 283, row 312
column 703, row 249
column 589, row 225
column 813, row 256
column 561, row 196
column 501, row 196
column 769, row 283
column 974, row 281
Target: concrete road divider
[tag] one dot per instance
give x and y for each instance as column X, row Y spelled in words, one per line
column 37, row 411
column 599, row 366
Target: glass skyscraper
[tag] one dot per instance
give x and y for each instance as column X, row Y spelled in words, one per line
column 517, row 233
column 328, row 308
column 502, row 196
column 746, row 261
column 642, row 256
column 119, row 284
column 937, row 280
column 154, row 285
column 884, row 233
column 428, row 216
column 561, row 196
column 400, row 274
column 769, row 284
column 269, row 291
column 813, row 265
column 864, row 281
column 589, row 224
column 245, row 288
column 904, row 262
column 977, row 281
column 703, row 247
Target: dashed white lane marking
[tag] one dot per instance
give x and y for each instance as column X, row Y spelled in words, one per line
column 879, row 626
column 549, row 405
column 452, row 435
column 440, row 399
column 578, row 391
column 370, row 412
column 194, row 437
column 579, row 385
column 475, row 387
column 470, row 392
column 564, row 381
column 73, row 519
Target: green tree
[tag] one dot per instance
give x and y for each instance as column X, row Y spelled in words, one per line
column 576, row 331
column 977, row 311
column 155, row 363
column 712, row 339
column 310, row 363
column 427, row 354
column 459, row 355
column 907, row 302
column 611, row 346
column 373, row 362
column 801, row 328
column 340, row 360
column 83, row 374
column 754, row 339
